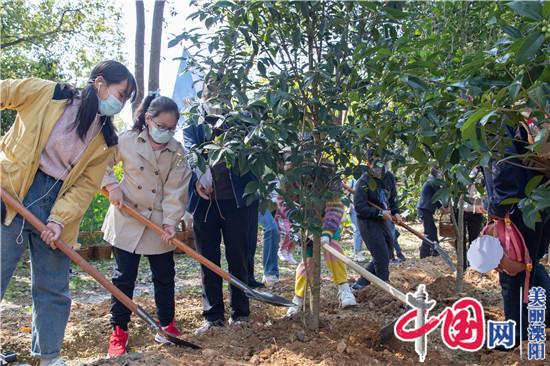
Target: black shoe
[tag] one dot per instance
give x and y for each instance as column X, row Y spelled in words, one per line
column 255, row 284
column 207, row 325
column 361, row 283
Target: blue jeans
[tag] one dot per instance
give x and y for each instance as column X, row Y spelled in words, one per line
column 271, row 243
column 51, row 302
column 395, row 244
column 357, row 240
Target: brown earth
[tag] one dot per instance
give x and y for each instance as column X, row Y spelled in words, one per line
column 345, row 337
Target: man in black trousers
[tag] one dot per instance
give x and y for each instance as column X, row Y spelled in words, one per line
column 426, row 209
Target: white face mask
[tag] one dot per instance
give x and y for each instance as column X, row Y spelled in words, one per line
column 110, row 106
column 160, row 136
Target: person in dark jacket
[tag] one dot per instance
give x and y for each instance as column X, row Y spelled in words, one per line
column 426, row 208
column 219, row 209
column 508, row 179
column 373, row 223
column 390, row 184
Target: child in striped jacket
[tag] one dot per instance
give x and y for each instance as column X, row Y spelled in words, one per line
column 332, row 218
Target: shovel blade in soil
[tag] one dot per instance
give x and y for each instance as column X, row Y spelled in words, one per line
column 443, row 254
column 174, row 340
column 266, row 297
column 179, row 342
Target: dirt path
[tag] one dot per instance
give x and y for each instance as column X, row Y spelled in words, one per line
column 346, row 337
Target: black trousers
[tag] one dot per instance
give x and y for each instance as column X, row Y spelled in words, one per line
column 511, row 286
column 473, row 223
column 252, row 239
column 430, row 230
column 378, row 239
column 211, row 221
column 125, row 275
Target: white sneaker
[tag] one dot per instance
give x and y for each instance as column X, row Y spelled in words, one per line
column 358, row 257
column 270, row 279
column 346, row 296
column 58, row 361
column 296, row 308
column 282, row 255
column 243, row 320
column 290, row 258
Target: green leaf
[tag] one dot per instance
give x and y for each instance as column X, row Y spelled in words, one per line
column 469, row 127
column 511, row 31
column 261, row 68
column 527, row 9
column 532, row 184
column 414, row 82
column 539, row 96
column 209, row 22
column 515, row 87
column 509, row 201
column 546, row 9
column 251, row 187
column 529, row 47
column 531, row 76
column 541, row 195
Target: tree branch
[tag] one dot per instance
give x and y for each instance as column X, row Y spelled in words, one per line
column 39, row 36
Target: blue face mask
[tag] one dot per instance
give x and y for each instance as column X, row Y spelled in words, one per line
column 110, row 106
column 160, row 136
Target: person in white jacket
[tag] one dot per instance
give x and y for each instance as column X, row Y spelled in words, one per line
column 155, row 181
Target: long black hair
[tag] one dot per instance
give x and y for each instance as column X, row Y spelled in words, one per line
column 154, row 105
column 113, row 72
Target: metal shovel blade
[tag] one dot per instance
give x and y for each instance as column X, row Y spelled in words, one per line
column 261, row 295
column 443, row 254
column 174, row 340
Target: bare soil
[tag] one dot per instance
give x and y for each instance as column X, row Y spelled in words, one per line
column 345, row 337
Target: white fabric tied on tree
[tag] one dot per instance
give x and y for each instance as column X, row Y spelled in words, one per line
column 485, row 253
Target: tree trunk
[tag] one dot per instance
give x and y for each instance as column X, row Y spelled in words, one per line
column 156, row 40
column 460, row 248
column 312, row 322
column 139, row 56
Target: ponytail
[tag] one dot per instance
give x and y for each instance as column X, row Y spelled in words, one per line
column 87, row 111
column 154, row 105
column 113, row 72
column 139, row 116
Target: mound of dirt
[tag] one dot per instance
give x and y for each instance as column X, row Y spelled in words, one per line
column 345, row 337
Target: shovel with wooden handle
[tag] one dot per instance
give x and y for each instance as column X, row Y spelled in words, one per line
column 434, row 244
column 418, row 301
column 249, row 292
column 87, row 267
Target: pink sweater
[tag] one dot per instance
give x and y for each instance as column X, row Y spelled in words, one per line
column 64, row 148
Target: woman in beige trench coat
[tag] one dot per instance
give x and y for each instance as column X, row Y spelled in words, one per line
column 155, row 182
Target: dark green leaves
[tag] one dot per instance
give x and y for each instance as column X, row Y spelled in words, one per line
column 530, row 47
column 532, row 184
column 469, row 129
column 528, row 9
column 414, row 82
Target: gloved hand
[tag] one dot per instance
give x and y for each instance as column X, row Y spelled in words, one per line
column 325, row 240
column 205, row 178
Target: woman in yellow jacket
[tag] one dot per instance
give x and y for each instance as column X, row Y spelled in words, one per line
column 155, row 181
column 52, row 160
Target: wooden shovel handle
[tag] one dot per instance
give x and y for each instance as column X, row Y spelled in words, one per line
column 402, row 224
column 175, row 241
column 70, row 252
